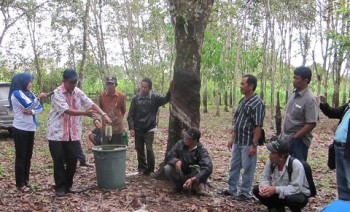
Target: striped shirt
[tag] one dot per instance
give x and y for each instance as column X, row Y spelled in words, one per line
column 250, row 113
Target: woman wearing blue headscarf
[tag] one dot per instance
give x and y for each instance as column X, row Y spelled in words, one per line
column 25, row 107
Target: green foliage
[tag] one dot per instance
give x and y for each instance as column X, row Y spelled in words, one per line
column 211, row 51
column 6, row 74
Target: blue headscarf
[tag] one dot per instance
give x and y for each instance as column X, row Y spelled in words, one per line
column 20, row 82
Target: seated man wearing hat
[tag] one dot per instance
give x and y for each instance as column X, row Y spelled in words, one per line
column 276, row 189
column 189, row 163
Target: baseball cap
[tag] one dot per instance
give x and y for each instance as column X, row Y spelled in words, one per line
column 192, row 133
column 111, row 80
column 278, row 146
column 70, row 74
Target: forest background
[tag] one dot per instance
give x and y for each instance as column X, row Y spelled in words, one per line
column 134, row 39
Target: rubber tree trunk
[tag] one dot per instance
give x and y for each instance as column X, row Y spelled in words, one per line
column 189, row 19
column 85, row 48
column 205, row 95
column 278, row 116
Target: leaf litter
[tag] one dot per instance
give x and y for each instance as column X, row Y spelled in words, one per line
column 143, row 193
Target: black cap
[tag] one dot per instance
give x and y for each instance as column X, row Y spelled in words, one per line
column 70, row 74
column 111, row 80
column 192, row 133
column 278, row 146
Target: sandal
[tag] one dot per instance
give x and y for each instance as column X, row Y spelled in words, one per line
column 23, row 189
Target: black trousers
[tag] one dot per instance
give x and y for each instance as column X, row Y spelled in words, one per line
column 81, row 155
column 64, row 155
column 294, row 202
column 117, row 138
column 142, row 140
column 24, row 142
column 178, row 178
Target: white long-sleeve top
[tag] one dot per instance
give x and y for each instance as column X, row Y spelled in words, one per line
column 19, row 102
column 280, row 179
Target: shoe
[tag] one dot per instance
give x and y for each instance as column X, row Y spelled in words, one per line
column 225, row 193
column 242, row 197
column 86, row 165
column 73, row 190
column 60, row 193
column 23, row 189
column 199, row 191
column 148, row 173
column 141, row 172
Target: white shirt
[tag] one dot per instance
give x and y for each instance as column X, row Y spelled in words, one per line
column 19, row 102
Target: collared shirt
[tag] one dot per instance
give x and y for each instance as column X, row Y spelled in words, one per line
column 19, row 102
column 280, row 179
column 115, row 107
column 342, row 129
column 143, row 110
column 250, row 113
column 301, row 108
column 61, row 126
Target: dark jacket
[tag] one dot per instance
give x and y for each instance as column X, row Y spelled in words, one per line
column 198, row 156
column 143, row 111
column 338, row 113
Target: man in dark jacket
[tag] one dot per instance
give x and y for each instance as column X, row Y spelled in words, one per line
column 142, row 123
column 189, row 163
column 341, row 146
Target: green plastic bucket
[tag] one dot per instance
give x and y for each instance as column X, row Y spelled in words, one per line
column 110, row 166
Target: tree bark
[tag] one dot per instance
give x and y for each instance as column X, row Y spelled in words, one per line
column 189, row 19
column 85, row 37
column 226, row 100
column 288, row 84
column 217, row 102
column 205, row 95
column 346, row 80
column 278, row 116
column 31, row 26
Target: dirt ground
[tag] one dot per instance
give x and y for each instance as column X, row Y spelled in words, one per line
column 145, row 193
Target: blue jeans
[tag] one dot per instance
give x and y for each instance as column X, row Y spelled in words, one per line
column 241, row 159
column 298, row 149
column 342, row 173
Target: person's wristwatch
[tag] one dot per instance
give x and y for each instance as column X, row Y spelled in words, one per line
column 103, row 114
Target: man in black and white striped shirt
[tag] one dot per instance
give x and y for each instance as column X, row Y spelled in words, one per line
column 247, row 124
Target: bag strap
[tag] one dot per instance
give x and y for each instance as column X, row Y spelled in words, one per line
column 289, row 167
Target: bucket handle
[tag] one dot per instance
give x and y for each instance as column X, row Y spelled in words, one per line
column 100, row 155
